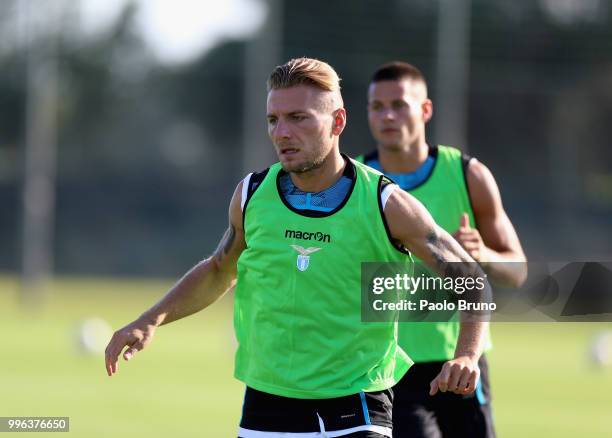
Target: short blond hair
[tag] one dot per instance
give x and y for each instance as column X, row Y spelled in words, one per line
column 304, row 71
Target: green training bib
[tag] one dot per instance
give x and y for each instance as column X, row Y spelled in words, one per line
column 297, row 311
column 446, row 197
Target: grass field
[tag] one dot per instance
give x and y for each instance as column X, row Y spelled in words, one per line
column 182, row 385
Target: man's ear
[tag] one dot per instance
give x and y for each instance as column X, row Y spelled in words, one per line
column 339, row 121
column 427, row 110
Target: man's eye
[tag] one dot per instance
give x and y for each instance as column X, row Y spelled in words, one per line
column 298, row 118
column 271, row 121
column 399, row 104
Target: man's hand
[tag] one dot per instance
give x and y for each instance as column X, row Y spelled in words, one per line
column 459, row 376
column 470, row 239
column 136, row 336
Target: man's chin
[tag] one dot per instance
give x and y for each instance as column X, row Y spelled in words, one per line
column 391, row 146
column 297, row 166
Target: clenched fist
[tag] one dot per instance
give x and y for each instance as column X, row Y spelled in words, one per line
column 470, row 239
column 459, row 375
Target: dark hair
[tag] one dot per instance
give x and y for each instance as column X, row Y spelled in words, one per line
column 396, row 71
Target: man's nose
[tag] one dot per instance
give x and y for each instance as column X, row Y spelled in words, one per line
column 281, row 130
column 387, row 114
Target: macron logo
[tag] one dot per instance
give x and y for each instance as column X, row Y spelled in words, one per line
column 306, row 235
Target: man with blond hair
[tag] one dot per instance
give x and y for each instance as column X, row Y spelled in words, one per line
column 298, row 232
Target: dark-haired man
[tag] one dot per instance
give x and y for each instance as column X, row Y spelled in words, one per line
column 462, row 196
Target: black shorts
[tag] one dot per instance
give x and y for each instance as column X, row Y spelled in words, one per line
column 419, row 415
column 362, row 415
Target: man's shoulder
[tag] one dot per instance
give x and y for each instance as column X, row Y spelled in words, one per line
column 251, row 183
column 257, row 177
column 365, row 170
column 455, row 154
column 478, row 173
column 451, row 151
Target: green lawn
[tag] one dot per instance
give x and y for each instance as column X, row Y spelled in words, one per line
column 182, row 385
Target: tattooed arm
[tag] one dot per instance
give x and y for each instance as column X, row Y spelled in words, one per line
column 411, row 225
column 197, row 289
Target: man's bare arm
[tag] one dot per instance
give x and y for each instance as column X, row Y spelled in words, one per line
column 207, row 281
column 411, row 225
column 202, row 285
column 494, row 243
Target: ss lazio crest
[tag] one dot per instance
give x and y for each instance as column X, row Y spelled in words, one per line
column 303, row 260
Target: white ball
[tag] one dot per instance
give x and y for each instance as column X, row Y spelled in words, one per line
column 601, row 348
column 93, row 335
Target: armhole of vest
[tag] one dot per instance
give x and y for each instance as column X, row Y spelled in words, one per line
column 465, row 163
column 387, row 189
column 249, row 185
column 245, row 191
column 383, row 183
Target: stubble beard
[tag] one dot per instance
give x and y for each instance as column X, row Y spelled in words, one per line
column 306, row 166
